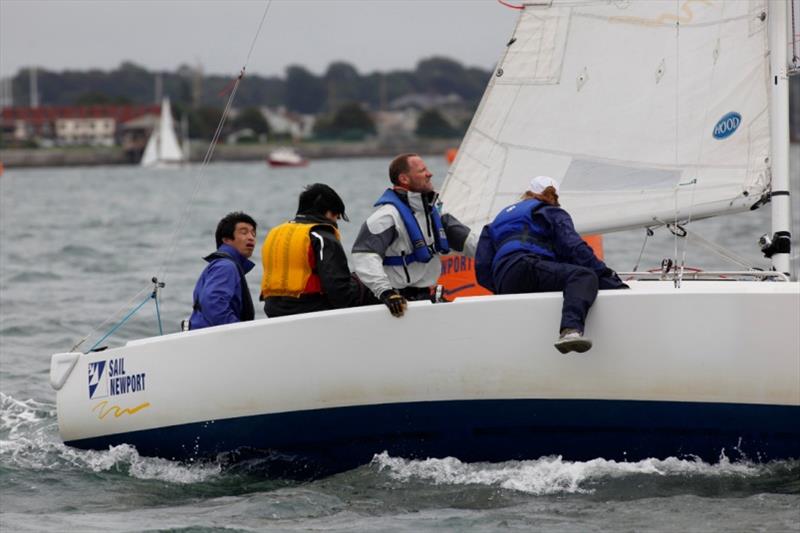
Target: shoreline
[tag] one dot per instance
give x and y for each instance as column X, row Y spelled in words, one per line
column 93, row 156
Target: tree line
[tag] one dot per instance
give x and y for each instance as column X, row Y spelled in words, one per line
column 299, row 90
column 339, row 95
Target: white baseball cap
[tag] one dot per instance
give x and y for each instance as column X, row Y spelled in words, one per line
column 540, row 183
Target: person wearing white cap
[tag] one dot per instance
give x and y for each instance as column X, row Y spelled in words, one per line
column 532, row 246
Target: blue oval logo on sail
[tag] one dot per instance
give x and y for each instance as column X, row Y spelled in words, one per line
column 727, row 125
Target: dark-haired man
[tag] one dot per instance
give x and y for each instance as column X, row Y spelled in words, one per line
column 221, row 295
column 305, row 266
column 396, row 253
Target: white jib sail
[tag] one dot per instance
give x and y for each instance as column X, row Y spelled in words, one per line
column 150, row 155
column 169, row 147
column 163, row 147
column 642, row 111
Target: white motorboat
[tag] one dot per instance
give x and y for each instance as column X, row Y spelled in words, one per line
column 286, row 157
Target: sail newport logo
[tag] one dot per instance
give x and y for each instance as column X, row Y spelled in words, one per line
column 108, row 378
column 727, row 125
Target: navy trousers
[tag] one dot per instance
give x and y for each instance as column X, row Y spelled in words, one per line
column 524, row 272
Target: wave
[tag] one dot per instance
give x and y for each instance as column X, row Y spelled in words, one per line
column 78, row 250
column 29, row 441
column 34, row 275
column 554, row 475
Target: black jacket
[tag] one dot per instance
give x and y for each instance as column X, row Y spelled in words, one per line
column 339, row 287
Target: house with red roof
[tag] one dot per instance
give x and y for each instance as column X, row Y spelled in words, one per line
column 95, row 125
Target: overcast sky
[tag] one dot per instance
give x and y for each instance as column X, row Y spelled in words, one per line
column 161, row 35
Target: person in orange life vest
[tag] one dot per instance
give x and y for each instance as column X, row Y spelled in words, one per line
column 221, row 295
column 305, row 265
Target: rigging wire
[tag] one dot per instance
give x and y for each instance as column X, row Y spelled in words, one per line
column 209, row 154
column 719, row 250
column 111, row 317
column 795, row 57
column 688, row 221
column 677, row 120
column 696, row 169
column 648, row 233
column 199, row 180
column 512, row 6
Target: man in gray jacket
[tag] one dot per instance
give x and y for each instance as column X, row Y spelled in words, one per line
column 396, row 253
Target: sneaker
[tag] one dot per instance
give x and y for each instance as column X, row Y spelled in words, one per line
column 572, row 340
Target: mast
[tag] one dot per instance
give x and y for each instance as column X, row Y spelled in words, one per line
column 779, row 126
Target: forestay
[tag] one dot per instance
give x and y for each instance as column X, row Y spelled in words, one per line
column 643, row 111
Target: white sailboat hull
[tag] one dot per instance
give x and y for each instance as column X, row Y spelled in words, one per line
column 710, row 367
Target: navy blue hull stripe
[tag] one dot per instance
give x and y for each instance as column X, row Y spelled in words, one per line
column 337, row 439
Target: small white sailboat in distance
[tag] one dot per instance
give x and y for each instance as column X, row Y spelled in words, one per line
column 162, row 148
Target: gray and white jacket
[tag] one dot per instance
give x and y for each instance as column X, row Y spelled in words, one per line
column 384, row 234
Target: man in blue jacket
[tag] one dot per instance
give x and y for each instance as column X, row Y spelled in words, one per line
column 532, row 246
column 221, row 295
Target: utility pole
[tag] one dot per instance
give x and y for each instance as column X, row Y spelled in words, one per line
column 197, row 85
column 7, row 92
column 382, row 94
column 159, row 88
column 34, row 87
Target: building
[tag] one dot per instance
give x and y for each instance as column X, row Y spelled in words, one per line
column 96, row 125
column 286, row 123
column 396, row 125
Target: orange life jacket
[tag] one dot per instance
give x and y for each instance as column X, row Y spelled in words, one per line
column 289, row 261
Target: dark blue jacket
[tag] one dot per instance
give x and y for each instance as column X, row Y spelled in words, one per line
column 557, row 230
column 515, row 229
column 221, row 295
column 568, row 246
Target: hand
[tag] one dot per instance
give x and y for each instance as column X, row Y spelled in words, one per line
column 396, row 303
column 610, row 280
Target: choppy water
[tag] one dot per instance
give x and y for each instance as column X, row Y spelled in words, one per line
column 77, row 244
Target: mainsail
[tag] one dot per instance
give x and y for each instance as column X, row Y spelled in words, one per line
column 645, row 112
column 163, row 147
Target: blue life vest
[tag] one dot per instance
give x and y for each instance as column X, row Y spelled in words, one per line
column 514, row 229
column 422, row 252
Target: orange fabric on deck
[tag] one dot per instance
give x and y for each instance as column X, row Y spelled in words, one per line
column 458, row 277
column 596, row 243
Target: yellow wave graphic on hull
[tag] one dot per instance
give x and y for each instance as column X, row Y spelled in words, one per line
column 118, row 411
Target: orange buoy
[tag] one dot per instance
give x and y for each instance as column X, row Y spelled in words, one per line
column 450, row 155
